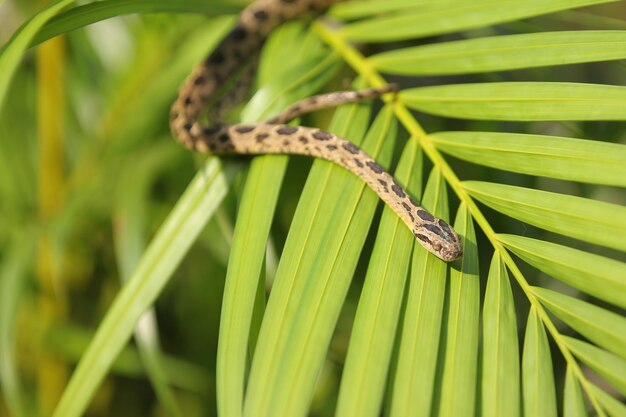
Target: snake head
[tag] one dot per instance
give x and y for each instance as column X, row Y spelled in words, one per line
column 440, row 239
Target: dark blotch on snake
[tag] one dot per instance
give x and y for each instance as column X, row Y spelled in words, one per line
column 216, row 58
column 223, row 138
column 398, row 190
column 303, row 139
column 199, row 81
column 286, row 130
column 444, row 226
column 210, row 131
column 244, row 129
column 374, row 166
column 260, row 15
column 358, row 162
column 424, row 215
column 261, row 137
column 436, row 230
column 187, row 101
column 187, row 126
column 321, row 135
column 239, row 33
column 408, row 210
column 423, row 238
column 331, row 147
column 351, row 147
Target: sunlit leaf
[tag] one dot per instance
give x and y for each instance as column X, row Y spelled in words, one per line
column 414, row 383
column 281, row 83
column 458, row 385
column 522, row 101
column 614, row 407
column 573, row 401
column 449, row 17
column 592, row 221
column 353, row 10
column 500, row 53
column 611, row 367
column 549, row 156
column 321, row 251
column 601, row 326
column 373, row 333
column 601, row 277
column 501, row 371
column 537, row 371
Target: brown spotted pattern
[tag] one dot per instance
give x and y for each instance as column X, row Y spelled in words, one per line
column 274, row 136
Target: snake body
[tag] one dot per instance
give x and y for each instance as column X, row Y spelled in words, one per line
column 274, row 136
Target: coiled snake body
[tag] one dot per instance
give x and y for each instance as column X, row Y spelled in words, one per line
column 274, row 136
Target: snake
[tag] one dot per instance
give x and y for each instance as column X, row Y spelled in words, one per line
column 276, row 136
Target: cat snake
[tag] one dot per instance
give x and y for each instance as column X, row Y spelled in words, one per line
column 274, row 136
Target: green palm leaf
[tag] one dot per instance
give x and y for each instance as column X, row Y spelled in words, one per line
column 521, row 101
column 414, row 379
column 376, row 319
column 611, row 367
column 573, row 401
column 537, row 372
column 549, row 156
column 499, row 53
column 501, row 370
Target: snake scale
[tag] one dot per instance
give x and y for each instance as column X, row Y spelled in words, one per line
column 275, row 137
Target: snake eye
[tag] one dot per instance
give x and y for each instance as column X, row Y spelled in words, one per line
column 437, row 246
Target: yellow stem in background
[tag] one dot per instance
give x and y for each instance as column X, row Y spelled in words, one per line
column 52, row 372
column 362, row 66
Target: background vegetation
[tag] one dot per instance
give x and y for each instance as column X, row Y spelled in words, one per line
column 523, row 102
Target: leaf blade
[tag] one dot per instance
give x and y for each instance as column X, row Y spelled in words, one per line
column 301, row 313
column 371, row 341
column 287, row 83
column 537, row 373
column 601, row 326
column 451, row 17
column 589, row 220
column 522, row 101
column 611, row 367
column 417, row 357
column 601, row 277
column 614, row 407
column 458, row 386
column 549, row 156
column 500, row 53
column 500, row 381
column 573, row 401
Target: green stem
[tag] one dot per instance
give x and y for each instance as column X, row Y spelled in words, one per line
column 366, row 70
